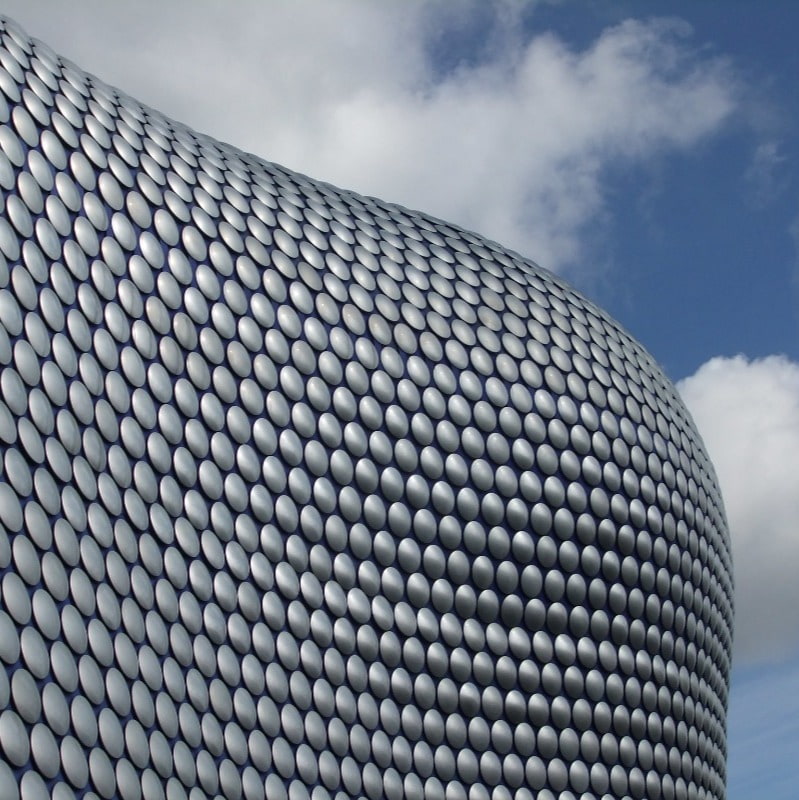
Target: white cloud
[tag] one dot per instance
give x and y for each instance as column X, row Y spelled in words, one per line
column 514, row 141
column 748, row 415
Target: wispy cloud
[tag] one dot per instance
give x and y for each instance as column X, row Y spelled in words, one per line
column 765, row 174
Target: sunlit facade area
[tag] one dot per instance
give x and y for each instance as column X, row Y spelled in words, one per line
column 308, row 495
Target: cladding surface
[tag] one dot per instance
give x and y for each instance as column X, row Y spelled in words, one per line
column 307, row 495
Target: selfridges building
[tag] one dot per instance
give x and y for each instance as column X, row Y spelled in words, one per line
column 306, row 495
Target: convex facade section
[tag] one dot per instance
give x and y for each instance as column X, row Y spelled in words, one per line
column 307, row 495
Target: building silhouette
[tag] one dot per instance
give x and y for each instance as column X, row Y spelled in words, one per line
column 307, row 495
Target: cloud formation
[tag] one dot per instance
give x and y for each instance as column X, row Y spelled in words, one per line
column 514, row 142
column 748, row 415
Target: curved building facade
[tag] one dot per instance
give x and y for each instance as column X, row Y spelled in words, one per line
column 306, row 495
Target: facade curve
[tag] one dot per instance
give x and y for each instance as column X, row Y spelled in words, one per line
column 307, row 495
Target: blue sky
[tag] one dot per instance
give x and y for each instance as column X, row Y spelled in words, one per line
column 647, row 152
column 717, row 224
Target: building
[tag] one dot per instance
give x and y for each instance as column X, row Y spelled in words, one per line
column 304, row 494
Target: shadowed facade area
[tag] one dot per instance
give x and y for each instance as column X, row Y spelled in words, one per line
column 307, row 495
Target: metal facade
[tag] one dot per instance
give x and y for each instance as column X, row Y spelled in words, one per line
column 304, row 494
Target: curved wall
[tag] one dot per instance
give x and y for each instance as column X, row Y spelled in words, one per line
column 308, row 495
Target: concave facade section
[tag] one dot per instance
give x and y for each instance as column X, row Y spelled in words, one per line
column 306, row 495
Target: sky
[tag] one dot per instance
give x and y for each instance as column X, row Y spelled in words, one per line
column 647, row 152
